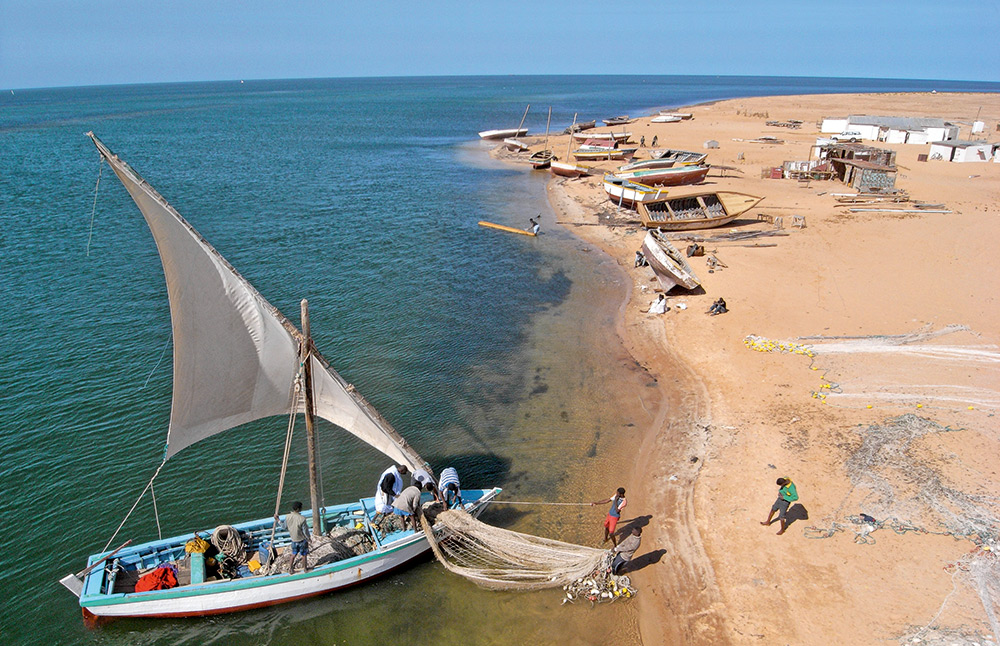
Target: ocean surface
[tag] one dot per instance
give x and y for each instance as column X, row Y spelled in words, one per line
column 494, row 353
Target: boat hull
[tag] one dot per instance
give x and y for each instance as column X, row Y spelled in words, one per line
column 675, row 176
column 629, row 194
column 236, row 595
column 564, row 169
column 695, row 211
column 503, row 134
column 669, row 265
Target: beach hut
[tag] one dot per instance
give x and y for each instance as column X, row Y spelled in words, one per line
column 963, row 151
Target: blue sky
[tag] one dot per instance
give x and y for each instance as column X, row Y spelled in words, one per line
column 51, row 43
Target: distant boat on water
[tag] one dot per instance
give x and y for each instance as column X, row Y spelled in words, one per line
column 703, row 210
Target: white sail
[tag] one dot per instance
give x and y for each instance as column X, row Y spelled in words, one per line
column 235, row 355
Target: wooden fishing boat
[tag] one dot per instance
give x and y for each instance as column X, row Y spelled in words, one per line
column 647, row 163
column 597, row 153
column 665, row 118
column 540, row 160
column 696, row 210
column 620, row 137
column 678, row 156
column 238, row 359
column 516, row 145
column 679, row 115
column 580, row 127
column 620, row 120
column 519, row 131
column 673, row 176
column 669, row 264
column 569, row 169
column 625, row 193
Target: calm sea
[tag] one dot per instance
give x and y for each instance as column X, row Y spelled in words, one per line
column 484, row 349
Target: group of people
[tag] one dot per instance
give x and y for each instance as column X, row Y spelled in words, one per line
column 391, row 498
column 627, row 548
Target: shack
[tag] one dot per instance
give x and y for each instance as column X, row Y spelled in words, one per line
column 893, row 130
column 963, row 151
column 862, row 167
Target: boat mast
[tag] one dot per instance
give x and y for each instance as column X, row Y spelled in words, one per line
column 518, row 133
column 547, row 122
column 572, row 130
column 304, row 353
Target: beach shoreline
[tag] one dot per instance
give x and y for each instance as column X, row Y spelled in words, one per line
column 736, row 419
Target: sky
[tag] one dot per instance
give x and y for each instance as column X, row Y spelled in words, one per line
column 55, row 43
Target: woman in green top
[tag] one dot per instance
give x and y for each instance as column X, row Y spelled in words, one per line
column 786, row 496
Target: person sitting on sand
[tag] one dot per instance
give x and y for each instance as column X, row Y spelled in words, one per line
column 786, row 496
column 718, row 307
column 659, row 306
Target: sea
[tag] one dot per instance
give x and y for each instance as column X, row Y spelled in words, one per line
column 491, row 352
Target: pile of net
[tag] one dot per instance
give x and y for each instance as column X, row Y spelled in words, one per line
column 340, row 543
column 501, row 559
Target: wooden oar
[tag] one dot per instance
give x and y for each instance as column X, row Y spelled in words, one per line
column 484, row 223
column 86, row 570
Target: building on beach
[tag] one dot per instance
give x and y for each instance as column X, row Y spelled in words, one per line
column 959, row 150
column 864, row 168
column 893, row 130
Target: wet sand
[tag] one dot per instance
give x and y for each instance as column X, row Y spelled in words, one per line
column 734, row 419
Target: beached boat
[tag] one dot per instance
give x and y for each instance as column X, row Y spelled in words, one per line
column 620, row 120
column 580, row 127
column 673, row 176
column 696, row 210
column 665, row 118
column 679, row 156
column 647, row 163
column 669, row 264
column 569, row 169
column 516, row 145
column 238, row 359
column 620, row 137
column 679, row 115
column 591, row 152
column 623, row 192
column 507, row 133
column 541, row 159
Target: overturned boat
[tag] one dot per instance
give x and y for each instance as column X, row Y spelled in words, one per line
column 669, row 264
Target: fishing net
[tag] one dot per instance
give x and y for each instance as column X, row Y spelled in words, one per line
column 501, row 559
column 341, row 543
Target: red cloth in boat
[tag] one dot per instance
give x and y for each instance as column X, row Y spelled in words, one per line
column 162, row 578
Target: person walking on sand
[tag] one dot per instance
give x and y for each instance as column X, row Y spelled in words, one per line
column 786, row 496
column 618, row 503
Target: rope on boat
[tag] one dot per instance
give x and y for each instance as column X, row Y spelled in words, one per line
column 134, row 505
column 156, row 512
column 93, row 211
column 153, row 371
column 294, row 396
column 518, row 502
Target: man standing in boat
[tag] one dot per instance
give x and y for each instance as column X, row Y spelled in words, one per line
column 390, row 484
column 298, row 533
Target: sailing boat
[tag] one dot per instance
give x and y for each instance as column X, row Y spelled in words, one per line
column 238, row 359
column 568, row 168
column 505, row 133
column 541, row 159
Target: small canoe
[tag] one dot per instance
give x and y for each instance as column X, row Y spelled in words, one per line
column 674, row 176
column 679, row 115
column 580, row 127
column 620, row 137
column 665, row 118
column 669, row 264
column 569, row 169
column 620, row 120
column 515, row 145
column 696, row 210
column 503, row 134
column 493, row 225
column 647, row 163
column 541, row 160
column 622, row 192
column 597, row 153
column 679, row 156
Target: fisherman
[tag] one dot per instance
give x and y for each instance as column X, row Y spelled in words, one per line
column 623, row 552
column 718, row 307
column 424, row 480
column 451, row 488
column 298, row 533
column 642, row 141
column 640, row 259
column 390, row 483
column 786, row 496
column 653, row 144
column 618, row 503
column 534, row 226
column 407, row 505
column 659, row 306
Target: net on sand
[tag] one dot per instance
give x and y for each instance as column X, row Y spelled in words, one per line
column 501, row 559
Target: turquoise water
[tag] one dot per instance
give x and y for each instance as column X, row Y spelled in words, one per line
column 363, row 196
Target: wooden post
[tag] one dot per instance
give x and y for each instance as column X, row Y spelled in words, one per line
column 318, row 524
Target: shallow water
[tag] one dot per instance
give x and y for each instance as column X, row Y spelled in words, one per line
column 492, row 352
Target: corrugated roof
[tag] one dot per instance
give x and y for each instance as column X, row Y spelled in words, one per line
column 897, row 123
column 960, row 143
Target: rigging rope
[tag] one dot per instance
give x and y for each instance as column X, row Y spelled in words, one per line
column 294, row 396
column 156, row 512
column 518, row 502
column 93, row 211
column 162, row 352
column 134, row 505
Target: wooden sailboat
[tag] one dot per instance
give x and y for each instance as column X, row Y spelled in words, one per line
column 238, row 359
column 696, row 210
column 672, row 176
column 669, row 264
column 541, row 159
column 568, row 168
column 626, row 193
column 508, row 132
column 678, row 156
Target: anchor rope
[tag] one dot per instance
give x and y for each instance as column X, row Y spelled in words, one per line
column 93, row 211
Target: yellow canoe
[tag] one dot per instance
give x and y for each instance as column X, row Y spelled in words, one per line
column 484, row 223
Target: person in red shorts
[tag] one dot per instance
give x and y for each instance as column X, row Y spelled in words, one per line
column 618, row 503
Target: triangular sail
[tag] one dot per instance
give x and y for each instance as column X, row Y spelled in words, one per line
column 235, row 355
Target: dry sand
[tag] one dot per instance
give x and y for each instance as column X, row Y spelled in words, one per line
column 737, row 419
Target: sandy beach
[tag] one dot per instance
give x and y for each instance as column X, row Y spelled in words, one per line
column 858, row 318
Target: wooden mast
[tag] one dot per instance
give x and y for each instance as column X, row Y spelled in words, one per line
column 518, row 133
column 304, row 355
